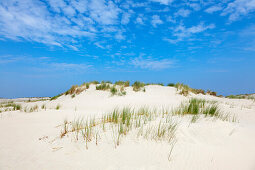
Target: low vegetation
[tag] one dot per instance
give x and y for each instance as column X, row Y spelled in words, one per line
column 103, row 86
column 185, row 90
column 160, row 84
column 170, row 84
column 146, row 123
column 9, row 106
column 138, row 86
column 58, row 107
column 242, row 96
column 198, row 107
column 122, row 83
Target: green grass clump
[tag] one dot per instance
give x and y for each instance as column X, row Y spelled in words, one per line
column 122, row 83
column 185, row 89
column 87, row 85
column 198, row 106
column 137, row 86
column 211, row 93
column 160, row 84
column 43, row 107
column 11, row 106
column 71, row 90
column 75, row 89
column 171, row 84
column 122, row 91
column 57, row 96
column 94, row 82
column 113, row 90
column 103, row 86
column 58, row 107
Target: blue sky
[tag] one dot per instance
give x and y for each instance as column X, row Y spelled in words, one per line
column 48, row 45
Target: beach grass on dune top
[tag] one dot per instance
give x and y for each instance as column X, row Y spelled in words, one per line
column 137, row 86
column 122, row 83
column 198, row 106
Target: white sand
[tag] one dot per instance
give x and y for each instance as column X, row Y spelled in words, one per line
column 205, row 144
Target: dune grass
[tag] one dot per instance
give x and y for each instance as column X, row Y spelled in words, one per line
column 58, row 107
column 147, row 123
column 198, row 106
column 43, row 107
column 122, row 83
column 103, row 86
column 10, row 106
column 160, row 84
column 171, row 84
column 185, row 89
column 137, row 86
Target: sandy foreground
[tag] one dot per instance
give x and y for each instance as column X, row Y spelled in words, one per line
column 32, row 140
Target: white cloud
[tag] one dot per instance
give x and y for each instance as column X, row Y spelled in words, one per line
column 119, row 36
column 153, row 64
column 183, row 12
column 70, row 66
column 195, row 6
column 181, row 32
column 164, row 2
column 156, row 20
column 104, row 13
column 56, row 22
column 125, row 18
column 139, row 20
column 239, row 8
column 213, row 9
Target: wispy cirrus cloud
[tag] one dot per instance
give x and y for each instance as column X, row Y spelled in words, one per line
column 239, row 8
column 213, row 9
column 181, row 32
column 183, row 12
column 152, row 63
column 164, row 2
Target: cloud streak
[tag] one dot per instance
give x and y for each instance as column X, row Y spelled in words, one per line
column 152, row 64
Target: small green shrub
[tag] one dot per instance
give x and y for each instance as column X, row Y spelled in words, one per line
column 113, row 90
column 94, row 82
column 198, row 91
column 211, row 93
column 55, row 97
column 87, row 85
column 171, row 84
column 160, row 84
column 198, row 106
column 43, row 106
column 58, row 107
column 137, row 86
column 103, row 86
column 122, row 83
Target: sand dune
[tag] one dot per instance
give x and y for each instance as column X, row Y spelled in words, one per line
column 31, row 140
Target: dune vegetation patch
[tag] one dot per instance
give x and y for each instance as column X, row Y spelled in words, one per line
column 9, row 106
column 185, row 90
column 114, row 89
column 138, row 86
column 146, row 123
column 122, row 83
column 242, row 96
column 198, row 107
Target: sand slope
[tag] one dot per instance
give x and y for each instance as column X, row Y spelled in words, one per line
column 31, row 140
